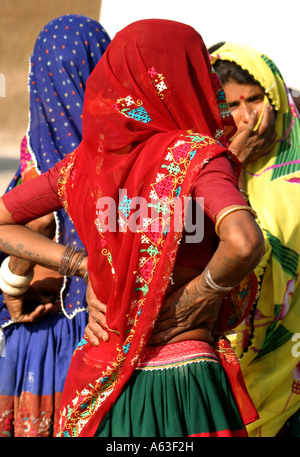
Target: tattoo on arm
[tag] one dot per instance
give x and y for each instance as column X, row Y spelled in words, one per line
column 20, row 251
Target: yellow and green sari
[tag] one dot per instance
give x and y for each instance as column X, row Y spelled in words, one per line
column 267, row 342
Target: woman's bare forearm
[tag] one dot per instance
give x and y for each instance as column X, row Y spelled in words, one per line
column 22, row 242
column 197, row 303
column 240, row 249
column 44, row 225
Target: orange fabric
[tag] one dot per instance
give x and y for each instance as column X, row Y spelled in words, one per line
column 29, row 415
column 232, row 368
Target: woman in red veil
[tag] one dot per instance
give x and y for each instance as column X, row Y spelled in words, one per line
column 155, row 133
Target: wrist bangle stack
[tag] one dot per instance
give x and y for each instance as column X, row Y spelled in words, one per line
column 71, row 260
column 232, row 210
column 212, row 284
column 11, row 283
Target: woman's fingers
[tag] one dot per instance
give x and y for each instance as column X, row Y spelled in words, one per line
column 96, row 328
column 252, row 122
column 95, row 332
column 39, row 312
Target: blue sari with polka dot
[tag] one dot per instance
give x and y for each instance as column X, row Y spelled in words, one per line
column 34, row 358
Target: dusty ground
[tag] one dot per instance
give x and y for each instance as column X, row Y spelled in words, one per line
column 20, row 24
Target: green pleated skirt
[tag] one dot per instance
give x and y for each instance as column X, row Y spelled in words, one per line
column 178, row 390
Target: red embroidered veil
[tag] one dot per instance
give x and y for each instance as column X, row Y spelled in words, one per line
column 154, row 113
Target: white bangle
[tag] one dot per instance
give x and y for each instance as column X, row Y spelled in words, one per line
column 10, row 290
column 212, row 283
column 12, row 279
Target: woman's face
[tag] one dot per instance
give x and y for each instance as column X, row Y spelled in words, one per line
column 242, row 100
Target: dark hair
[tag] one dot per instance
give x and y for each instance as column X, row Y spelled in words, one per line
column 216, row 46
column 227, row 71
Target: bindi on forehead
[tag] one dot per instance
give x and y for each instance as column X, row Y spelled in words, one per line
column 242, row 97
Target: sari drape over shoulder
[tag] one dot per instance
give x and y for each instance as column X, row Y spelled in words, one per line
column 154, row 115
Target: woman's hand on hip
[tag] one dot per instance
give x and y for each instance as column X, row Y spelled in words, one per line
column 192, row 307
column 97, row 319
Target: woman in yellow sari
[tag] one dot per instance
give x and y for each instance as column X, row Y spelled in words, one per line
column 268, row 145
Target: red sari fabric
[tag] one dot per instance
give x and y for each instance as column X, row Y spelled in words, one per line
column 154, row 114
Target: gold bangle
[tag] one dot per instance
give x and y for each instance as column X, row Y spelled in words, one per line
column 232, row 210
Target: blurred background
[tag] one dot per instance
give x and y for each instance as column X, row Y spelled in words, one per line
column 267, row 25
column 20, row 24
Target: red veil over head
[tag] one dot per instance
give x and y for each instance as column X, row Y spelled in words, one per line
column 154, row 114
